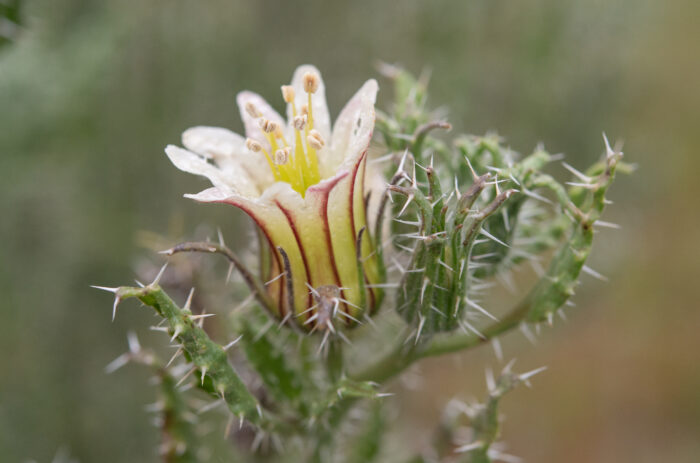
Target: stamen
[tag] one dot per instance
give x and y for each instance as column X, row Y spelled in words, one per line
column 282, row 156
column 267, row 125
column 304, row 110
column 288, row 93
column 253, row 145
column 300, row 123
column 252, row 110
column 256, row 147
column 280, row 135
column 315, row 140
column 311, row 82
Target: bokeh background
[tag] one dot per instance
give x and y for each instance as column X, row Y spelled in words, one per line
column 91, row 92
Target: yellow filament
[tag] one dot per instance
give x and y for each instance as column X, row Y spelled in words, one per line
column 273, row 167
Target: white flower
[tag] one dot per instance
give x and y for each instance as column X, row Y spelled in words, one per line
column 303, row 184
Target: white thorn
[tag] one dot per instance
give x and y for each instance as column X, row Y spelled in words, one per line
column 471, row 168
column 133, row 341
column 473, row 304
column 609, row 152
column 489, row 235
column 506, row 220
column 312, row 290
column 593, row 273
column 187, row 375
column 175, row 355
column 528, row 334
column 469, row 447
column 160, row 274
column 176, row 332
column 587, row 186
column 106, row 288
column 229, row 272
column 221, row 237
column 342, row 336
column 188, row 303
column 421, row 323
column 601, row 223
column 117, row 363
column 497, row 349
column 525, row 376
column 507, row 369
column 117, row 300
column 402, row 162
column 269, row 282
column 403, row 209
column 583, row 177
column 490, row 381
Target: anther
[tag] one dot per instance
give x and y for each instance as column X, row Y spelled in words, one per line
column 300, row 122
column 253, row 145
column 315, row 140
column 282, row 156
column 288, row 93
column 311, row 82
column 252, row 110
column 304, row 110
column 267, row 125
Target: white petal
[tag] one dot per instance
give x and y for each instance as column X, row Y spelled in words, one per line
column 352, row 131
column 228, row 151
column 252, row 130
column 322, row 119
column 235, row 181
column 210, row 195
column 213, row 142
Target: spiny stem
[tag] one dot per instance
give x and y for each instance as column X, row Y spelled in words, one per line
column 207, row 356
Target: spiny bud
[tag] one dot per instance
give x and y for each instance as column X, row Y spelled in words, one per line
column 267, row 125
column 315, row 140
column 252, row 110
column 253, row 145
column 311, row 82
column 288, row 93
column 282, row 156
column 300, row 122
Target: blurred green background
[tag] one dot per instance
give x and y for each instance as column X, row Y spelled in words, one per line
column 91, row 92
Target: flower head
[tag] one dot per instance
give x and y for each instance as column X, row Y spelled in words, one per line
column 304, row 186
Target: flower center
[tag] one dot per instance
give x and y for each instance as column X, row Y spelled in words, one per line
column 297, row 163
